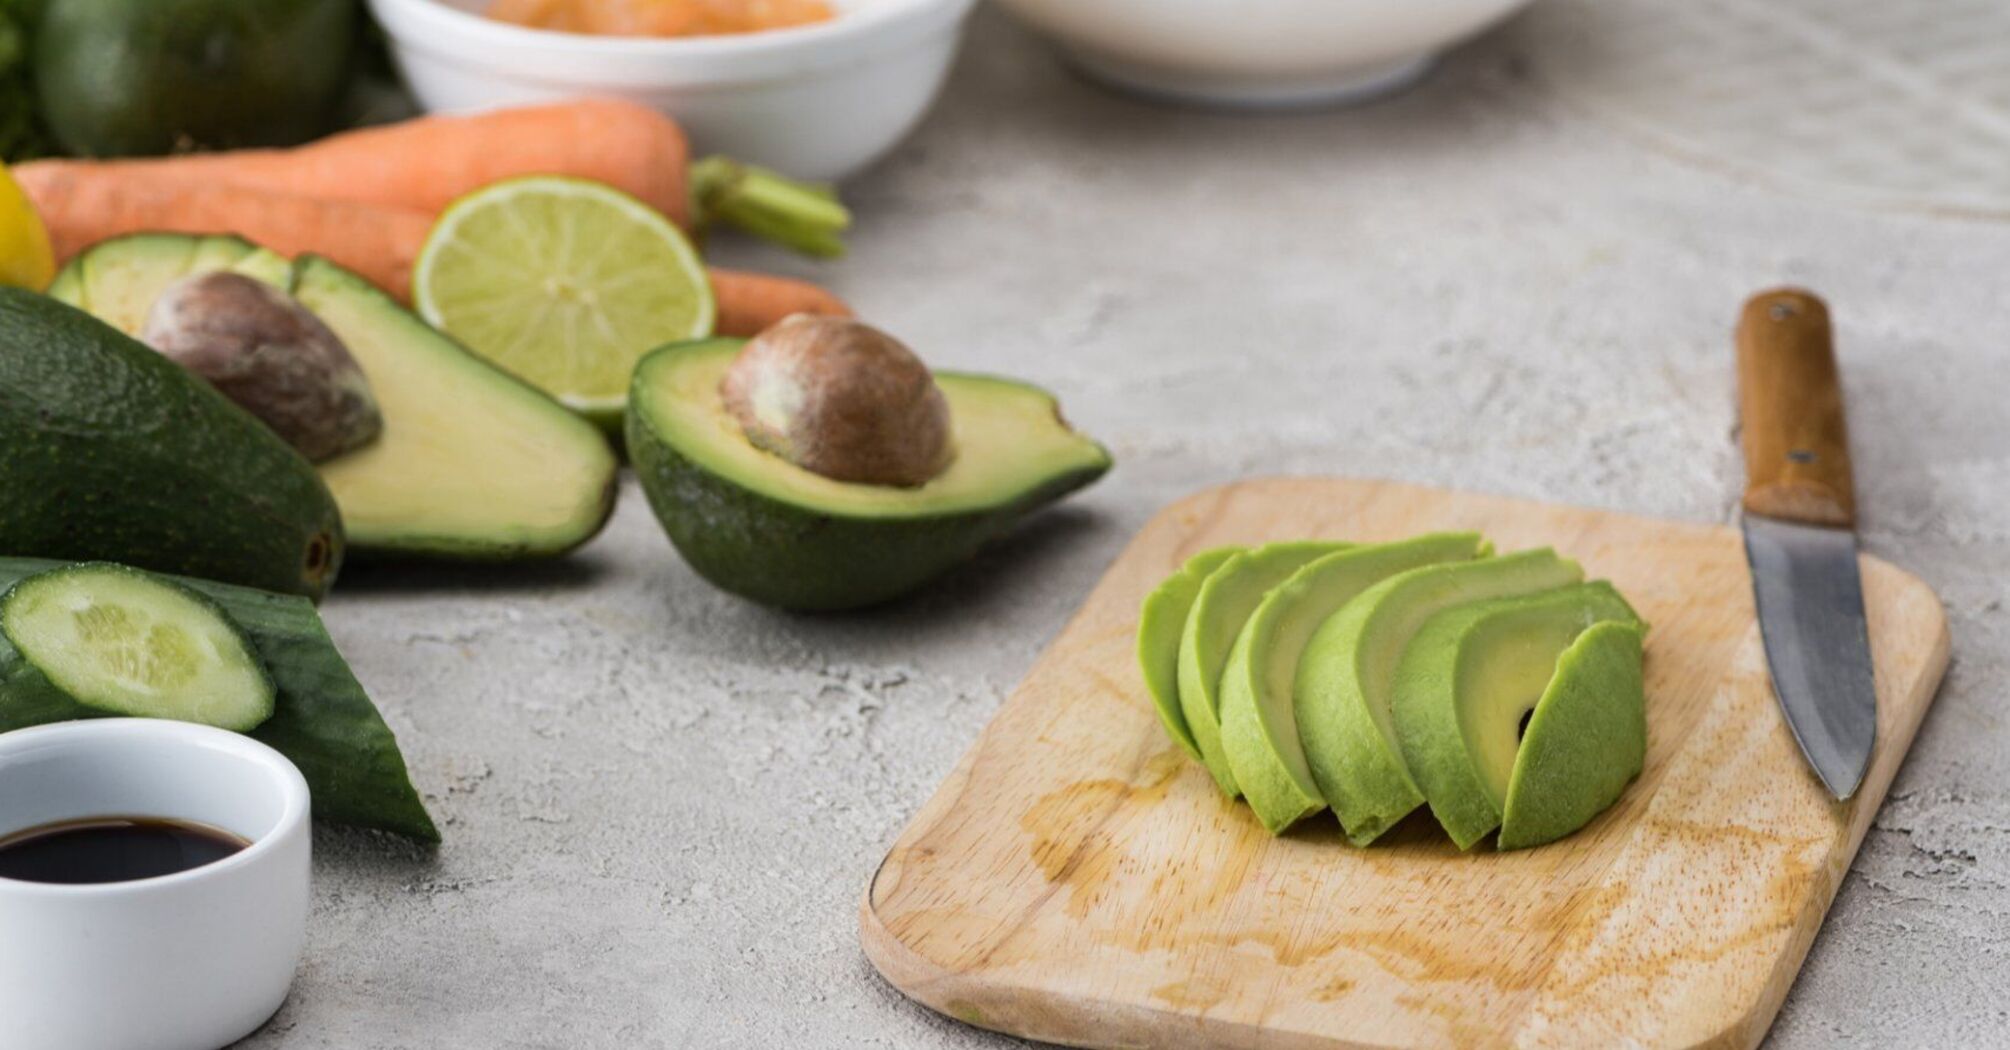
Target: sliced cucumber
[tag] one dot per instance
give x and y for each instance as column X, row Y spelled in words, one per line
column 119, row 641
column 323, row 720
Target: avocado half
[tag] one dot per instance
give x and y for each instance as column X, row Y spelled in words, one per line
column 765, row 529
column 473, row 465
column 114, row 452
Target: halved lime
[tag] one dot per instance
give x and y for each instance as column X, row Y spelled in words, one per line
column 564, row 282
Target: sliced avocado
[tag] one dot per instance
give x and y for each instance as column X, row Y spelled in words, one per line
column 1227, row 598
column 1342, row 693
column 761, row 527
column 1160, row 622
column 1259, row 733
column 1464, row 684
column 473, row 463
column 114, row 452
column 1585, row 742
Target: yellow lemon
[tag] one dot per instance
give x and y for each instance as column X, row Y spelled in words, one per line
column 25, row 258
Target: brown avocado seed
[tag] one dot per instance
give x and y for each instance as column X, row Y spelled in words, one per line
column 841, row 399
column 260, row 348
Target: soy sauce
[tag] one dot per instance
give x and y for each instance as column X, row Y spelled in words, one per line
column 112, row 849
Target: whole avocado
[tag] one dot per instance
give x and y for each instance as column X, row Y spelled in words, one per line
column 112, row 452
column 141, row 77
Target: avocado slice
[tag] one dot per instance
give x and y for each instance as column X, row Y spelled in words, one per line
column 474, row 464
column 1259, row 733
column 1585, row 742
column 114, row 452
column 1160, row 622
column 761, row 527
column 1342, row 693
column 1464, row 684
column 1227, row 598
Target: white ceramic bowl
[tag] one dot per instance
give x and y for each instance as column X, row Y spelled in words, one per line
column 189, row 961
column 816, row 102
column 1259, row 53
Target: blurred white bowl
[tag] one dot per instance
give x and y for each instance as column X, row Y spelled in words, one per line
column 1259, row 53
column 816, row 102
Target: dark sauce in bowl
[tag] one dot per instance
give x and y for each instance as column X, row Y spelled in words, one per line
column 112, row 849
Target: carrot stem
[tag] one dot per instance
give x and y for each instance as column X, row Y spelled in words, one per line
column 804, row 216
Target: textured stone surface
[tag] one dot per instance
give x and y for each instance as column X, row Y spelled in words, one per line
column 661, row 804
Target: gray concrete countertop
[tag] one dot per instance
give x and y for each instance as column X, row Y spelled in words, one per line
column 661, row 803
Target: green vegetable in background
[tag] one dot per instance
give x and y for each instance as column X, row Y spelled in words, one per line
column 136, row 77
column 22, row 136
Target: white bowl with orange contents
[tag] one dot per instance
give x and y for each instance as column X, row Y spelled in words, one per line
column 817, row 101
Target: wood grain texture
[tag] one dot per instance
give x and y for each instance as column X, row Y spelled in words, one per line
column 1790, row 411
column 1077, row 879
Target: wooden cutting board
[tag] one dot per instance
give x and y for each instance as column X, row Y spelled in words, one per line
column 1077, row 879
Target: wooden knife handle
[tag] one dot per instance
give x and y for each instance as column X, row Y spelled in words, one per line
column 1791, row 411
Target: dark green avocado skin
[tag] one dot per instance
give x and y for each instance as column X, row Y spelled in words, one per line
column 134, row 77
column 792, row 557
column 109, row 451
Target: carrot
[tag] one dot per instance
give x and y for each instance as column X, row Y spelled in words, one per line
column 750, row 302
column 424, row 164
column 380, row 243
column 82, row 209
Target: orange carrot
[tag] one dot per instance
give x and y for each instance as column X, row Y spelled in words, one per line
column 380, row 243
column 81, row 209
column 750, row 302
column 424, row 164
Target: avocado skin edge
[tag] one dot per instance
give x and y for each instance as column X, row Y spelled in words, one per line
column 795, row 558
column 114, row 452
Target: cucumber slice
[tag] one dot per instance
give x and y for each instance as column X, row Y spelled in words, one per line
column 323, row 720
column 123, row 642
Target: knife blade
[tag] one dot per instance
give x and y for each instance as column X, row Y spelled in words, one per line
column 1800, row 537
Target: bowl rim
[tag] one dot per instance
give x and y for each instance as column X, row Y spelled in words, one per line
column 467, row 28
column 92, row 733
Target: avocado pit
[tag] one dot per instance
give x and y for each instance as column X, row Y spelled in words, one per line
column 840, row 399
column 260, row 348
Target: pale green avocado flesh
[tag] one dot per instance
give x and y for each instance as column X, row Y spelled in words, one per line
column 1586, row 740
column 1342, row 695
column 1259, row 732
column 473, row 463
column 755, row 524
column 1160, row 622
column 1466, row 681
column 1227, row 598
column 1007, row 436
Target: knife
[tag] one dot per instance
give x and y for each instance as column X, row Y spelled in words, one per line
column 1800, row 533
